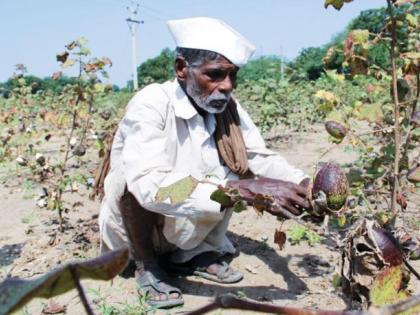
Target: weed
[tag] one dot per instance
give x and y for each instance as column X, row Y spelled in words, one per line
column 297, row 233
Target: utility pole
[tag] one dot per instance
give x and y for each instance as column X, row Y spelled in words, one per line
column 281, row 63
column 132, row 24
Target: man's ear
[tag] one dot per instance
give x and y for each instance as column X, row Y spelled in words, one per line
column 181, row 69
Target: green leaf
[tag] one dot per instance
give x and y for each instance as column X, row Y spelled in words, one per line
column 68, row 63
column 412, row 21
column 387, row 288
column 84, row 51
column 341, row 221
column 360, row 36
column 335, row 115
column 296, row 233
column 221, row 197
column 370, row 112
column 15, row 292
column 99, row 87
column 178, row 191
column 82, row 41
column 239, row 206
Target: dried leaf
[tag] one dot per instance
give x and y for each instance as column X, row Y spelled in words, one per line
column 337, row 4
column 53, row 308
column 178, row 191
column 62, row 57
column 15, row 292
column 280, row 238
column 386, row 244
column 401, row 200
column 250, row 269
column 56, row 75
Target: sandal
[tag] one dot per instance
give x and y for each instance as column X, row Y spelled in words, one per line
column 148, row 283
column 198, row 266
column 222, row 275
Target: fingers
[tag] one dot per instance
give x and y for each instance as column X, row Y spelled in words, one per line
column 300, row 190
column 301, row 202
column 292, row 209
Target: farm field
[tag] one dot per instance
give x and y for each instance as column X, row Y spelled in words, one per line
column 347, row 113
column 298, row 275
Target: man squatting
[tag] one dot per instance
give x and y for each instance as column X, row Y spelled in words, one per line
column 189, row 126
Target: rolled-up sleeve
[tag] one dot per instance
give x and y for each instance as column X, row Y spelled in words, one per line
column 262, row 161
column 146, row 162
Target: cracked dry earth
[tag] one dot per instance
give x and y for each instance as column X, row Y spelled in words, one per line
column 298, row 275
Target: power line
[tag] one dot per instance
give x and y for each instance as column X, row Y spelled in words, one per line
column 159, row 15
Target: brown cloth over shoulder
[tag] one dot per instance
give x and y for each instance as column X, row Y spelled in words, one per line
column 229, row 140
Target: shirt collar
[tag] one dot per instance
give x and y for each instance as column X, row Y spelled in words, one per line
column 182, row 105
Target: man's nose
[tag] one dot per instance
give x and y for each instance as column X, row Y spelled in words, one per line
column 226, row 86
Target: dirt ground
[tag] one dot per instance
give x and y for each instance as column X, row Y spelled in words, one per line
column 297, row 275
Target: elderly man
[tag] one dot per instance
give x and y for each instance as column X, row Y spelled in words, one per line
column 191, row 126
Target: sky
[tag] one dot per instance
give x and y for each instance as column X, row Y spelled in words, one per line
column 32, row 32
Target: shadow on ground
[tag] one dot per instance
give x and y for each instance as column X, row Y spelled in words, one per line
column 9, row 253
column 278, row 264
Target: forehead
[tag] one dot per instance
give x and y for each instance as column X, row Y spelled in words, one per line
column 219, row 63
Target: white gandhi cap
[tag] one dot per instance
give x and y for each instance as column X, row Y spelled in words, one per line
column 214, row 35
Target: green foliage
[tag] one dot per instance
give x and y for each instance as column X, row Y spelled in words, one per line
column 158, row 69
column 262, row 68
column 298, row 233
column 295, row 104
column 309, row 64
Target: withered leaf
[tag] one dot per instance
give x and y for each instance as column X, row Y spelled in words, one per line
column 280, row 238
column 15, row 292
column 53, row 308
column 62, row 57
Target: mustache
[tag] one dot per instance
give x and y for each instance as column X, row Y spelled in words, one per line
column 218, row 98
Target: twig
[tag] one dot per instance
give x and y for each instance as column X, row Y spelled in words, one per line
column 374, row 131
column 411, row 268
column 396, row 112
column 400, row 306
column 80, row 290
column 230, row 301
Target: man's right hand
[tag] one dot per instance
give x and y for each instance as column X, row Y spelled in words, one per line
column 286, row 195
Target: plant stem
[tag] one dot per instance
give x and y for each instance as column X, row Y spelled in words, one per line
column 396, row 113
column 230, row 301
column 80, row 290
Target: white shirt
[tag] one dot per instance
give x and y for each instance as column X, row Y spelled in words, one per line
column 162, row 139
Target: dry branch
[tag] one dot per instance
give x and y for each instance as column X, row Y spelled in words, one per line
column 230, row 301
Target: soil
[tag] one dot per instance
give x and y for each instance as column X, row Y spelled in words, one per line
column 298, row 275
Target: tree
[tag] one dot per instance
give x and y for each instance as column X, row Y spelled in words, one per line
column 309, row 64
column 158, row 69
column 266, row 67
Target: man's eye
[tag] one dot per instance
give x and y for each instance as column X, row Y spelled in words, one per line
column 216, row 75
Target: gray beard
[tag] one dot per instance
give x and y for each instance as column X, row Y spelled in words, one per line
column 215, row 103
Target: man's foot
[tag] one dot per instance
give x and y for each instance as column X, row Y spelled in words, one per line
column 220, row 272
column 207, row 265
column 159, row 294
